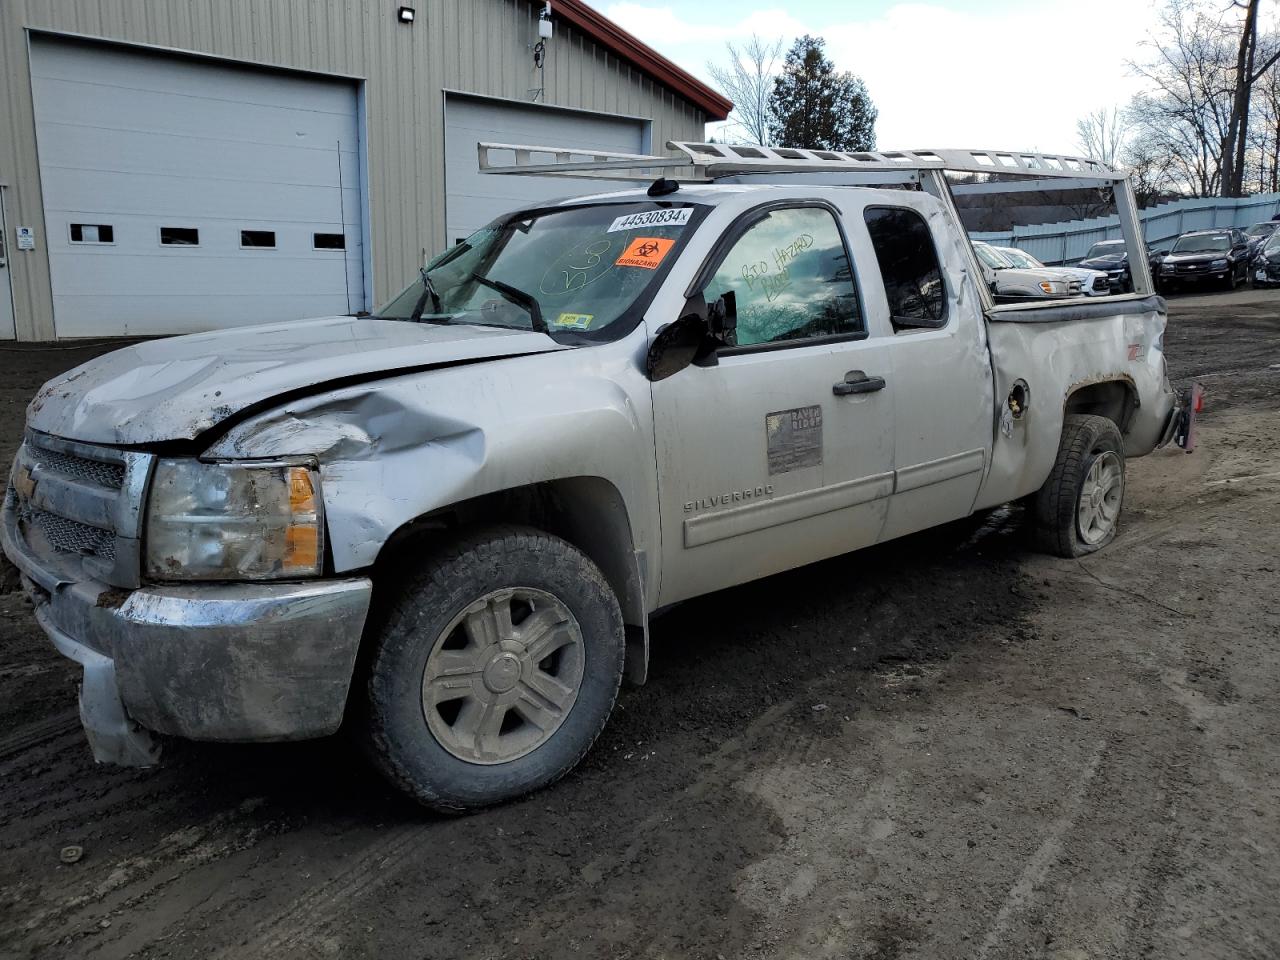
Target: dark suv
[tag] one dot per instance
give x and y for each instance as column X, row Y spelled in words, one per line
column 1201, row 256
column 1111, row 257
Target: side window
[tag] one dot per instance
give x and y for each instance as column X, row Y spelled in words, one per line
column 909, row 267
column 791, row 278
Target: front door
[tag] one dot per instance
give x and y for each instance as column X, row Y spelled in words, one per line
column 783, row 452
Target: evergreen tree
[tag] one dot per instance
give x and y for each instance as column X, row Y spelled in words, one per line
column 814, row 106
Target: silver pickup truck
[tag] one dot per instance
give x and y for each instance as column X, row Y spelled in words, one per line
column 447, row 524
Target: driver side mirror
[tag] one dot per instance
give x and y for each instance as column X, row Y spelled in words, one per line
column 694, row 338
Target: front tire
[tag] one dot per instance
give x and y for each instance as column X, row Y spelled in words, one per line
column 495, row 670
column 1077, row 511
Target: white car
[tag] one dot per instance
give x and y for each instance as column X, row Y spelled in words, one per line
column 1008, row 280
column 1093, row 283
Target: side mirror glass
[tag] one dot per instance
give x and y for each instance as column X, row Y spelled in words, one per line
column 675, row 347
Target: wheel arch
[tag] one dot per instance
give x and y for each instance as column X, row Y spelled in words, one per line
column 588, row 512
column 1115, row 398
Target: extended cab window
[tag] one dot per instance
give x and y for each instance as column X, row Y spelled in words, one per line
column 909, row 267
column 790, row 275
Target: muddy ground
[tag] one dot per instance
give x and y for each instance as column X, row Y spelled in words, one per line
column 948, row 747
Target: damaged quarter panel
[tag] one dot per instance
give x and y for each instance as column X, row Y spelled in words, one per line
column 393, row 450
column 1057, row 352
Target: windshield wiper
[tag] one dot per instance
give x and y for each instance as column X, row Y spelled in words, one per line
column 428, row 290
column 519, row 298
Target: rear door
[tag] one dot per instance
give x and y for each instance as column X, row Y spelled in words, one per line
column 943, row 388
column 782, row 453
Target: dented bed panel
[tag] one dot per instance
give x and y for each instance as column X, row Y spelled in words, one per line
column 1054, row 360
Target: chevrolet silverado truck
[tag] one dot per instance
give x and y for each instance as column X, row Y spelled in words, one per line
column 445, row 526
column 1007, row 279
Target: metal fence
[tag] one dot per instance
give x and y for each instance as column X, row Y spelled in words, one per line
column 1060, row 243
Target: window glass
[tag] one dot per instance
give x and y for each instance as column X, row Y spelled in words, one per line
column 264, row 239
column 180, row 236
column 329, row 241
column 909, row 266
column 580, row 268
column 92, row 233
column 791, row 278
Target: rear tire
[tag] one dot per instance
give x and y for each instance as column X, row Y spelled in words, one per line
column 495, row 670
column 1077, row 511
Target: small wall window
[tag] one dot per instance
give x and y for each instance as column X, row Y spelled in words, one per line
column 909, row 267
column 180, row 236
column 329, row 241
column 92, row 233
column 258, row 239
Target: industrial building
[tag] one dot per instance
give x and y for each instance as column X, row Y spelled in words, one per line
column 169, row 166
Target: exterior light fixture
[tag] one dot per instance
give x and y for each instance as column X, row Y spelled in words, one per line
column 406, row 14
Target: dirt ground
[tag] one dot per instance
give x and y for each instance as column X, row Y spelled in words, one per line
column 948, row 747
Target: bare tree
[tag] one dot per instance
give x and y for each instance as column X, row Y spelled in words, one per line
column 1187, row 113
column 748, row 82
column 1101, row 134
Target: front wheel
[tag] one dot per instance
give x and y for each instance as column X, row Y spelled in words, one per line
column 1077, row 511
column 496, row 669
column 1231, row 279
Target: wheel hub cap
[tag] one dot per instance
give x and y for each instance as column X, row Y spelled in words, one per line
column 503, row 675
column 1100, row 498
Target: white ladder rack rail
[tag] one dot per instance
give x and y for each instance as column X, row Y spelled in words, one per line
column 715, row 160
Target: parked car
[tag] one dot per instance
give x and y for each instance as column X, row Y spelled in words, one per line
column 1093, row 283
column 448, row 522
column 1259, row 233
column 1112, row 258
column 1220, row 256
column 1008, row 280
column 1265, row 270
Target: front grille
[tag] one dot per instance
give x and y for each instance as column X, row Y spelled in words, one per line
column 65, row 535
column 1190, row 268
column 109, row 475
column 76, row 507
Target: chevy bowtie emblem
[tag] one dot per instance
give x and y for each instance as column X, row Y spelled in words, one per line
column 24, row 483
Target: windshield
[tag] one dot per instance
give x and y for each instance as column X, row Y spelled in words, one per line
column 1018, row 258
column 1264, row 229
column 1273, row 245
column 991, row 258
column 1108, row 248
column 1204, row 243
column 563, row 270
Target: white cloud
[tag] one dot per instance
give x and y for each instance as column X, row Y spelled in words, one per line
column 1011, row 77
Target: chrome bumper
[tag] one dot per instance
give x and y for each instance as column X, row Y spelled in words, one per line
column 235, row 662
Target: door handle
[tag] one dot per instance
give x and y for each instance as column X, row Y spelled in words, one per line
column 857, row 382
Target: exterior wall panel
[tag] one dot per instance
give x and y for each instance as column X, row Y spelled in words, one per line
column 476, row 46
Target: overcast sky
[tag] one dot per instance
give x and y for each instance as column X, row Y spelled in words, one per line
column 951, row 73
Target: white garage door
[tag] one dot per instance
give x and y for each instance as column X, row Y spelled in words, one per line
column 475, row 198
column 181, row 195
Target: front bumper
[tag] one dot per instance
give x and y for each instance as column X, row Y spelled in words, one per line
column 233, row 662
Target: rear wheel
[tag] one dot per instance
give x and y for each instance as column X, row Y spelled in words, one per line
column 496, row 669
column 1077, row 511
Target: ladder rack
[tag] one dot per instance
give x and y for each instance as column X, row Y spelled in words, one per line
column 711, row 161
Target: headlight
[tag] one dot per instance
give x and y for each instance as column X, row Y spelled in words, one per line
column 234, row 521
column 1053, row 286
column 1166, row 268
column 1217, row 265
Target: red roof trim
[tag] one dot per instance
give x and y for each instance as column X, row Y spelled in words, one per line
column 608, row 34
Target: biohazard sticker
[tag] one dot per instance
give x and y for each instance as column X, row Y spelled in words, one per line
column 575, row 321
column 646, row 252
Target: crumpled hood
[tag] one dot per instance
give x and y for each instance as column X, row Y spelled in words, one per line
column 178, row 388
